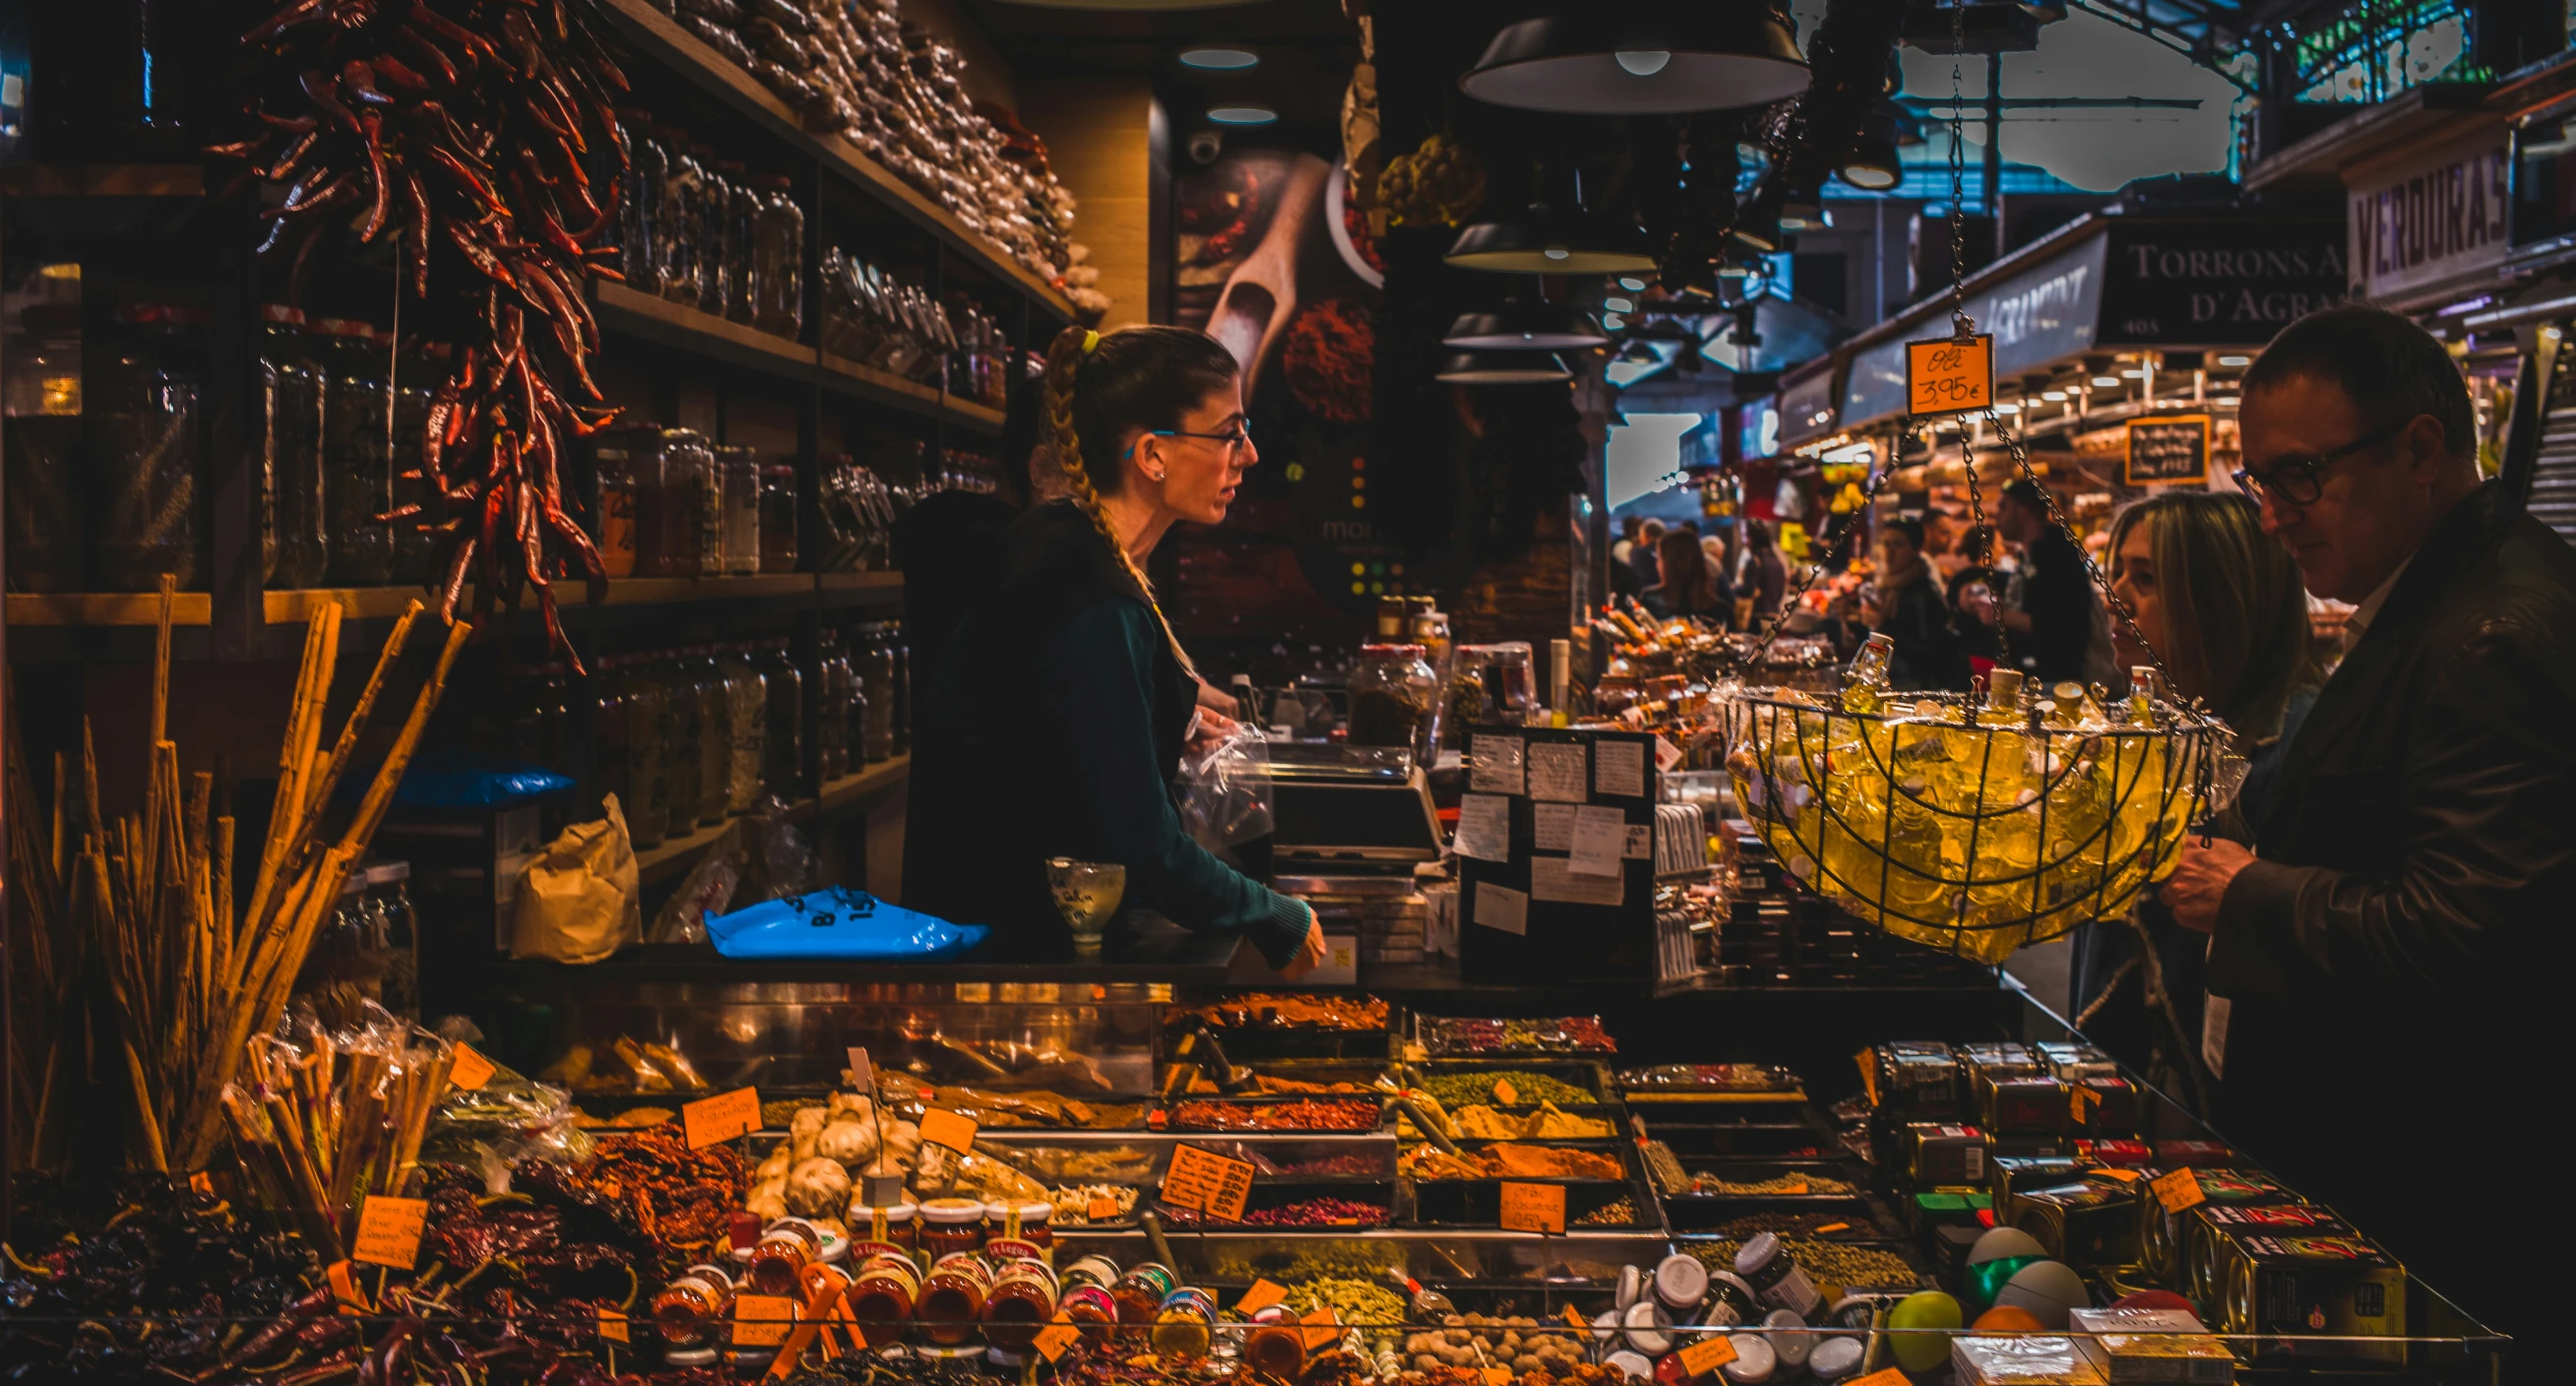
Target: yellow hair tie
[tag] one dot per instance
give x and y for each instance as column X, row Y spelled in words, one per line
column 1089, row 341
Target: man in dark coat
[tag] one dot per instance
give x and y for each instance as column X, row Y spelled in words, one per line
column 2394, row 948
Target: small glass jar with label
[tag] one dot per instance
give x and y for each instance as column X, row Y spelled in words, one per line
column 894, row 1227
column 1020, row 1230
column 692, row 1310
column 883, row 1295
column 1020, row 1303
column 1184, row 1323
column 950, row 1225
column 952, row 1297
column 779, row 1258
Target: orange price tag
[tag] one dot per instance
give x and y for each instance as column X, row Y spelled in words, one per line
column 389, row 1231
column 762, row 1320
column 1712, row 1351
column 1949, row 375
column 1262, row 1295
column 2079, row 1102
column 1323, row 1329
column 1575, row 1317
column 1533, row 1207
column 715, row 1120
column 1498, row 1376
column 1101, row 1210
column 1884, row 1376
column 1868, row 1061
column 344, row 1288
column 1505, row 1093
column 955, row 1130
column 1796, row 1188
column 612, row 1326
column 1206, row 1182
column 202, row 1182
column 1059, row 1335
column 2179, row 1191
column 1832, row 1227
column 2125, row 1176
column 470, row 1070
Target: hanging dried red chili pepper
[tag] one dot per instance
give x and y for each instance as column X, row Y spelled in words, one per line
column 471, row 131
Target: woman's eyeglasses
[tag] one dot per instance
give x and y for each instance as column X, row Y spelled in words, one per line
column 1236, row 438
column 2294, row 480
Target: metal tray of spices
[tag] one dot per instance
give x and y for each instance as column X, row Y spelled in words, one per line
column 1725, row 1189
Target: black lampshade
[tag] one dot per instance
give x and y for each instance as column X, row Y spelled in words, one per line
column 1504, row 368
column 1524, row 327
column 1873, row 165
column 1629, row 58
column 1541, row 241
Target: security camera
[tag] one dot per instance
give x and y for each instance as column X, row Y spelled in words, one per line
column 1206, row 145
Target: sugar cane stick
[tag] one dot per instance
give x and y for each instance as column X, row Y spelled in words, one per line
column 161, row 660
column 380, row 794
column 291, row 761
column 153, row 1149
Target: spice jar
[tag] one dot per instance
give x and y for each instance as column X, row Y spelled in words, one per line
column 951, row 1225
column 782, row 745
column 692, row 1309
column 741, row 216
column 883, row 1295
column 142, row 433
column 1391, row 691
column 952, row 1298
column 646, row 704
column 715, row 199
column 1184, row 1323
column 1276, row 1344
column 616, row 524
column 1775, row 1275
column 779, row 1258
column 747, row 715
column 715, row 733
column 1020, row 1303
column 740, row 494
column 778, row 262
column 1021, row 1231
column 778, row 504
column 896, row 1227
column 40, row 407
column 1140, row 1294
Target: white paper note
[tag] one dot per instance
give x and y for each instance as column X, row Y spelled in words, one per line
column 1556, row 771
column 1495, row 765
column 1552, row 827
column 1501, row 907
column 1641, row 842
column 1552, row 879
column 1667, row 755
column 1619, row 767
column 1485, row 827
column 1599, row 836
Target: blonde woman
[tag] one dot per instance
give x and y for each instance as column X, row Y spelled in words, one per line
column 1058, row 717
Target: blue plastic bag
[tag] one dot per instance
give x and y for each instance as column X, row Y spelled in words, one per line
column 839, row 923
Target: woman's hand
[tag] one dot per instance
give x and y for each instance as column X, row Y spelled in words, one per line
column 1310, row 954
column 1211, row 730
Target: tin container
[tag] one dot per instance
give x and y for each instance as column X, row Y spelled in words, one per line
column 2011, row 1174
column 2308, row 1299
column 2111, row 1106
column 2021, row 1105
column 1938, row 1156
column 2120, row 1154
column 2160, row 1232
column 2004, row 1060
column 2086, row 1223
column 2070, row 1063
column 1918, row 1081
column 2204, row 1228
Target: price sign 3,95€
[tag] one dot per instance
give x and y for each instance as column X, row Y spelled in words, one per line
column 1950, row 375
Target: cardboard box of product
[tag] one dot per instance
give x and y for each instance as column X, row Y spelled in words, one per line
column 2152, row 1347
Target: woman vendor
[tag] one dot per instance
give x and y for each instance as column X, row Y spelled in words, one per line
column 1062, row 706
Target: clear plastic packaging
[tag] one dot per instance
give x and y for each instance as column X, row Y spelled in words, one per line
column 778, row 263
column 640, row 219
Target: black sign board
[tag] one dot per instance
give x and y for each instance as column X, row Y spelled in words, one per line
column 1556, row 856
column 2164, row 452
column 2218, row 282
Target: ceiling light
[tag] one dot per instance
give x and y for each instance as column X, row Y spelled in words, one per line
column 1220, row 59
column 2053, row 396
column 2236, row 362
column 2106, row 382
column 2134, row 373
column 1873, row 165
column 1664, row 57
column 1620, row 305
column 1242, row 115
column 1523, row 327
column 1541, row 241
column 1613, row 321
column 2223, row 401
column 1734, row 270
column 1503, row 368
column 2007, row 407
column 1632, row 285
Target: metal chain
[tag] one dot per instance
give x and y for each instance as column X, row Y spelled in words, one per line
column 1959, row 319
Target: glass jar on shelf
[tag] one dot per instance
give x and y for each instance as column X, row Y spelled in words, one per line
column 296, row 429
column 422, row 369
column 747, row 712
column 706, row 505
column 741, row 226
column 715, row 734
column 682, row 754
column 779, row 500
column 782, row 744
column 676, row 224
column 645, row 700
column 833, row 694
column 46, row 476
column 715, row 210
column 739, row 491
column 778, row 261
column 874, row 656
column 615, row 470
column 1391, row 692
column 902, row 687
column 357, row 463
column 142, row 432
column 639, row 217
column 673, row 536
column 537, row 720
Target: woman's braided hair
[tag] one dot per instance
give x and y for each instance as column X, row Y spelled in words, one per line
column 1098, row 387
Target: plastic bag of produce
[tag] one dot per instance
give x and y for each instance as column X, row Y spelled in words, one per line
column 579, row 901
column 1225, row 791
column 839, row 923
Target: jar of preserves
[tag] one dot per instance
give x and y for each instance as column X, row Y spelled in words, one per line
column 40, row 401
column 683, row 754
column 1184, row 1323
column 883, row 1296
column 739, row 491
column 1776, row 1276
column 1275, row 1345
column 1094, row 1270
column 639, row 217
column 141, row 416
column 778, row 515
column 1021, row 1302
column 645, row 702
column 692, row 1310
column 778, row 1260
column 782, row 744
column 747, row 718
column 778, row 262
column 1391, row 692
column 953, row 1294
column 357, row 456
column 616, row 512
column 951, row 1225
column 876, row 672
column 1140, row 1294
column 896, row 1227
column 1021, row 1231
column 1093, row 1313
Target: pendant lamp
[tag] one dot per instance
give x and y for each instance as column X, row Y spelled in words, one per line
column 1521, row 326
column 1661, row 57
column 1872, row 165
column 1542, row 241
column 1504, row 368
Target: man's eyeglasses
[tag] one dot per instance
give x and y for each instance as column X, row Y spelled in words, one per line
column 1235, row 438
column 2294, row 480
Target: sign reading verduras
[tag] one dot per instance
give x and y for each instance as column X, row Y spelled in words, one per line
column 2165, row 452
column 2430, row 221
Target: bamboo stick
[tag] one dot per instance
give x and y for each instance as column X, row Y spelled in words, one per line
column 284, row 811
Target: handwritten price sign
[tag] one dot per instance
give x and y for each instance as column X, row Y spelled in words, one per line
column 1206, row 1182
column 1950, row 375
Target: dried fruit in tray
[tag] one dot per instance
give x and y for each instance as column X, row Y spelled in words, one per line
column 1271, row 1085
column 1474, row 1341
column 1312, row 1212
column 1691, row 1078
column 1276, row 1116
column 1573, row 1034
column 1276, row 1010
column 1509, row 1162
column 1618, row 1212
column 1826, row 1263
column 1778, row 1186
column 1545, row 1124
column 1506, row 1087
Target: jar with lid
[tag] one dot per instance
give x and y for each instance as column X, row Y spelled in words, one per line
column 715, row 199
column 1184, row 1323
column 883, row 1295
column 894, row 1227
column 782, row 742
column 778, row 1260
column 47, row 516
column 778, row 506
column 1776, row 1276
column 692, row 1310
column 1021, row 1302
column 707, row 507
column 741, row 217
column 1090, row 1309
column 747, row 718
column 875, row 668
column 902, row 686
column 1391, row 692
column 1094, row 1270
column 1140, row 1294
column 1276, row 1344
column 639, row 218
column 357, row 484
column 683, row 753
column 608, row 758
column 615, row 469
column 1021, row 1230
column 142, row 432
column 677, row 225
column 421, row 368
column 681, row 516
column 715, row 734
column 833, row 693
column 645, row 702
column 739, row 490
column 951, row 1225
column 778, row 262
column 953, row 1294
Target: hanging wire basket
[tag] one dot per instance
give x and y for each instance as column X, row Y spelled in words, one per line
column 1971, row 829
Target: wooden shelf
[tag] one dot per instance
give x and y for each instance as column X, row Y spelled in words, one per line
column 107, row 609
column 675, row 857
column 103, row 180
column 984, row 414
column 663, row 38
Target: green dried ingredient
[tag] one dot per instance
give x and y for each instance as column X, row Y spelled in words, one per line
column 1845, row 1225
column 1528, row 1089
column 1360, row 1303
column 1786, row 1185
column 1826, row 1263
column 1618, row 1212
